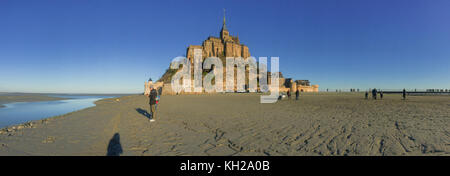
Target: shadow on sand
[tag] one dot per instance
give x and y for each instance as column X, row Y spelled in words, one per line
column 143, row 112
column 114, row 146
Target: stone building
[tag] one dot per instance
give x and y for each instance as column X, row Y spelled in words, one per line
column 225, row 46
column 300, row 85
column 304, row 86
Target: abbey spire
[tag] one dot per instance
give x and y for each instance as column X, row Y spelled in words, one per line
column 224, row 32
column 224, row 26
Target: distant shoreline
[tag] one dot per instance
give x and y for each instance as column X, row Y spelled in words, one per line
column 37, row 93
column 31, row 123
column 11, row 98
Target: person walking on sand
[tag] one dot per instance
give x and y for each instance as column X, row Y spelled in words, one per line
column 374, row 94
column 367, row 95
column 381, row 95
column 152, row 102
column 404, row 94
column 297, row 94
column 289, row 94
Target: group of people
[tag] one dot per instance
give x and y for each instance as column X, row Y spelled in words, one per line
column 297, row 94
column 374, row 94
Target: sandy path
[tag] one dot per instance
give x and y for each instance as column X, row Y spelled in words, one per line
column 237, row 124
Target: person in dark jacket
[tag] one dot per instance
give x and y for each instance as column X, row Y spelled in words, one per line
column 152, row 102
column 367, row 95
column 374, row 94
column 289, row 94
column 297, row 94
column 381, row 94
column 404, row 94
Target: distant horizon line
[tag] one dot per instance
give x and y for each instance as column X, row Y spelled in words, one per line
column 320, row 90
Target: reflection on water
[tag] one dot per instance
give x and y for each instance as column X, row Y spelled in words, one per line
column 20, row 112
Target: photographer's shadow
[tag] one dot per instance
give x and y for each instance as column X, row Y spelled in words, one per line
column 114, row 146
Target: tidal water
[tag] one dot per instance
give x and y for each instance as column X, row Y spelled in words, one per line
column 20, row 112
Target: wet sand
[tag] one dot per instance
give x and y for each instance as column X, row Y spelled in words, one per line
column 238, row 124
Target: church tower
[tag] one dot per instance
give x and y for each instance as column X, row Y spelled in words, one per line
column 224, row 32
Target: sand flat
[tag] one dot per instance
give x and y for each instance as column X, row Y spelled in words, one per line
column 238, row 124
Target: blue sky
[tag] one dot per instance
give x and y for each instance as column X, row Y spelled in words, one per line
column 107, row 46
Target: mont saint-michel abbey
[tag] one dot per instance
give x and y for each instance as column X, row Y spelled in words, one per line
column 230, row 46
column 225, row 46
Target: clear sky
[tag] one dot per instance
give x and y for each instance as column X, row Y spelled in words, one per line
column 107, row 46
